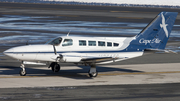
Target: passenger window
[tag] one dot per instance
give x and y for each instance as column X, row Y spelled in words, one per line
column 101, row 43
column 92, row 43
column 82, row 42
column 116, row 44
column 67, row 42
column 109, row 44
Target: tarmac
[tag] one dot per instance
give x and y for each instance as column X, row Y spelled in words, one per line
column 135, row 74
column 72, row 75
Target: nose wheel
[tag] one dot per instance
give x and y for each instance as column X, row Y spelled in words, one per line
column 22, row 72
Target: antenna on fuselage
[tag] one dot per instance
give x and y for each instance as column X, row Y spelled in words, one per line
column 68, row 32
column 27, row 43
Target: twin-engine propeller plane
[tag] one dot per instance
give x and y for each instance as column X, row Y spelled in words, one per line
column 96, row 50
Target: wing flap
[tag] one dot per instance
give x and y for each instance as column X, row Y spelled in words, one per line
column 98, row 59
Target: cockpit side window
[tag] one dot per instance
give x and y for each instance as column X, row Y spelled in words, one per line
column 55, row 42
column 67, row 42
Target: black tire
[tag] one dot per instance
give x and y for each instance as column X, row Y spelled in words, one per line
column 52, row 64
column 94, row 74
column 56, row 67
column 22, row 73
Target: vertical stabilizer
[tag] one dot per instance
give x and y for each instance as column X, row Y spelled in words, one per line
column 157, row 33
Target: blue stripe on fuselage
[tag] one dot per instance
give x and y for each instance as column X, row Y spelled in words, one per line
column 115, row 51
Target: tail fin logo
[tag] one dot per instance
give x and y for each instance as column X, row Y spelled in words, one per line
column 155, row 40
column 163, row 25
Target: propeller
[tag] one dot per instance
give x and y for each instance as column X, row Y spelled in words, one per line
column 56, row 57
column 55, row 52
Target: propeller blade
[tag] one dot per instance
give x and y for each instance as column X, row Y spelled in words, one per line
column 54, row 50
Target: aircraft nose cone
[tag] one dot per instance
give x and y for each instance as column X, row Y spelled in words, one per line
column 9, row 52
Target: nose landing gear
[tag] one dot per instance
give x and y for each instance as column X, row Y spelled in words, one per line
column 22, row 72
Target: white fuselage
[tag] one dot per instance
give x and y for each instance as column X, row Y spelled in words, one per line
column 74, row 49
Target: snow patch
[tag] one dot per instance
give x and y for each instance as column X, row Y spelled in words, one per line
column 131, row 2
column 128, row 3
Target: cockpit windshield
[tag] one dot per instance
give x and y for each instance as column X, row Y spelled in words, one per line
column 55, row 42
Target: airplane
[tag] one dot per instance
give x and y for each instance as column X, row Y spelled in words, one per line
column 96, row 50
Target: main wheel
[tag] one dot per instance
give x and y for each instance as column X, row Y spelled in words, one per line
column 56, row 67
column 93, row 74
column 22, row 72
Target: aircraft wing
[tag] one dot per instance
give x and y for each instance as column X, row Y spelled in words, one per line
column 99, row 59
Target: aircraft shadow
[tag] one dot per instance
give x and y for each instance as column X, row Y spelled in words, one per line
column 81, row 73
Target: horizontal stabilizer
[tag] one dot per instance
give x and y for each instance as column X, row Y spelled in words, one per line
column 149, row 50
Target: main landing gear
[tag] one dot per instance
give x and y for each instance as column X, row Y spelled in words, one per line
column 55, row 67
column 93, row 72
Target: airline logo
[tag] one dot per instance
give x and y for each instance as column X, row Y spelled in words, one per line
column 163, row 25
column 155, row 40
